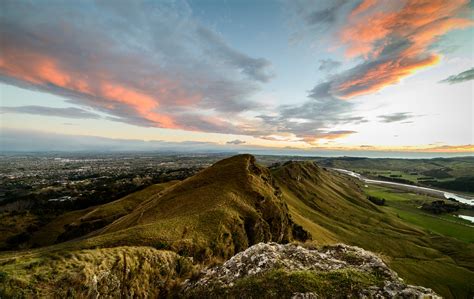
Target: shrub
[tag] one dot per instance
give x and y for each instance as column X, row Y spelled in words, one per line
column 376, row 200
column 440, row 207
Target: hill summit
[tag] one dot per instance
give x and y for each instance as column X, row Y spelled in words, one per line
column 218, row 212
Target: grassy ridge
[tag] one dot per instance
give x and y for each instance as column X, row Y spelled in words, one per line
column 217, row 212
column 331, row 202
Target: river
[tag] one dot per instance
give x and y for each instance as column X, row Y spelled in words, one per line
column 425, row 190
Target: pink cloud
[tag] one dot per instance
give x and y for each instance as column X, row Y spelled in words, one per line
column 375, row 26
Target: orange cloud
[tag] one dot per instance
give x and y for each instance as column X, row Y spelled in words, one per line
column 384, row 74
column 41, row 70
column 419, row 20
column 333, row 136
column 143, row 103
column 469, row 148
column 330, row 135
column 402, row 34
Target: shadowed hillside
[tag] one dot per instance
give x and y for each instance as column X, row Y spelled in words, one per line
column 79, row 223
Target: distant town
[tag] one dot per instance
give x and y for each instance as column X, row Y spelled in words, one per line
column 90, row 178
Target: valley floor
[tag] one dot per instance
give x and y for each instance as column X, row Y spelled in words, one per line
column 406, row 206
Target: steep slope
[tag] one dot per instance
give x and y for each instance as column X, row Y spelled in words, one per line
column 334, row 203
column 334, row 209
column 216, row 213
column 81, row 222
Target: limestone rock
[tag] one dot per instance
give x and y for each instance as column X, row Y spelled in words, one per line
column 262, row 258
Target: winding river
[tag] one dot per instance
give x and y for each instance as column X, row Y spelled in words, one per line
column 429, row 191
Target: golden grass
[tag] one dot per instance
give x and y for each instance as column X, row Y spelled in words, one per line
column 224, row 208
column 106, row 213
column 106, row 272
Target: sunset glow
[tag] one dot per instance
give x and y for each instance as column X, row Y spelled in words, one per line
column 331, row 75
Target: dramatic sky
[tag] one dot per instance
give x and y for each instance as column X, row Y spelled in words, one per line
column 335, row 74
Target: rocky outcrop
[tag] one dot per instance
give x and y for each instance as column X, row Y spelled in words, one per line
column 317, row 272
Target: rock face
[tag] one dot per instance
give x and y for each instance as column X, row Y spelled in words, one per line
column 272, row 265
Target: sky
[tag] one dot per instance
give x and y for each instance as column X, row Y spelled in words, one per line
column 361, row 75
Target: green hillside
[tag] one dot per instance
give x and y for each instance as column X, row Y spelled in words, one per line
column 167, row 232
column 78, row 223
column 216, row 213
column 334, row 209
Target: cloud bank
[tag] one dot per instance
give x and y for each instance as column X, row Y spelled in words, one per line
column 235, row 142
column 395, row 117
column 461, row 77
column 70, row 112
column 142, row 62
column 328, row 65
column 387, row 40
column 35, row 141
column 392, row 39
column 150, row 64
